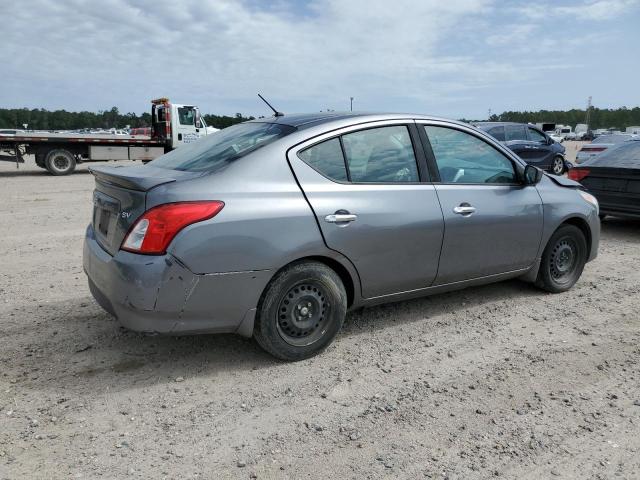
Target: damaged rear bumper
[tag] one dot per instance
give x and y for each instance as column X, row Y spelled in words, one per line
column 158, row 294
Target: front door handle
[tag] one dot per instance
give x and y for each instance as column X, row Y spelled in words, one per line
column 340, row 217
column 464, row 209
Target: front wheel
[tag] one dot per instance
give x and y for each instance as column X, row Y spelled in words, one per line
column 557, row 168
column 301, row 311
column 563, row 260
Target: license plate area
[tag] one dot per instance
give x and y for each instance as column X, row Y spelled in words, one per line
column 103, row 222
column 105, row 213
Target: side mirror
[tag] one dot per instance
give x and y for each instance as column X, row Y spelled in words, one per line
column 550, row 141
column 532, row 175
column 198, row 119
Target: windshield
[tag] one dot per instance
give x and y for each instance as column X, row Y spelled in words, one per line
column 612, row 139
column 625, row 155
column 217, row 149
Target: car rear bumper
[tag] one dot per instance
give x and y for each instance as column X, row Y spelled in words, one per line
column 158, row 294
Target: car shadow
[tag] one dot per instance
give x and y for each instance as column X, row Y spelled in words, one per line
column 620, row 227
column 35, row 173
column 76, row 346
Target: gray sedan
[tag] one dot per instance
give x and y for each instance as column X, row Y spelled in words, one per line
column 274, row 228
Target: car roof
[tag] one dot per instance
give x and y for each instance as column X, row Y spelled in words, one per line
column 306, row 120
column 500, row 124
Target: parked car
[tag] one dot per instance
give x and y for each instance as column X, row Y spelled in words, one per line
column 614, row 179
column 556, row 137
column 274, row 228
column 142, row 131
column 530, row 143
column 600, row 144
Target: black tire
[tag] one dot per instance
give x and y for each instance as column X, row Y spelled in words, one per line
column 60, row 162
column 563, row 260
column 557, row 167
column 301, row 311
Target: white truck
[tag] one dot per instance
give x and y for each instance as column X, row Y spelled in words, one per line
column 172, row 125
column 566, row 132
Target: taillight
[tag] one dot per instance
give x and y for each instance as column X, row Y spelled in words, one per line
column 153, row 231
column 578, row 174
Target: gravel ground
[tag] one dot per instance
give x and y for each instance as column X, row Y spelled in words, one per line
column 498, row 381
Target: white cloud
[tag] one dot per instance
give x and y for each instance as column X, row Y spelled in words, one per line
column 589, row 10
column 413, row 55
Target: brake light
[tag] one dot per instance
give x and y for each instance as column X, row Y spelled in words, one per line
column 153, row 231
column 578, row 174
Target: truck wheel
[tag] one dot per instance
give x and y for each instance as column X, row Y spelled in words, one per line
column 60, row 162
column 563, row 260
column 301, row 311
column 558, row 166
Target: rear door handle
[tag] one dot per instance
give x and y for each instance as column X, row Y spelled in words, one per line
column 340, row 218
column 464, row 209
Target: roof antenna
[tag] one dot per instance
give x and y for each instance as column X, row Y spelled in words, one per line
column 275, row 112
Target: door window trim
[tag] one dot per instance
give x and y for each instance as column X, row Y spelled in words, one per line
column 416, row 143
column 433, row 165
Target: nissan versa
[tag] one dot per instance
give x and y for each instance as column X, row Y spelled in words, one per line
column 274, row 228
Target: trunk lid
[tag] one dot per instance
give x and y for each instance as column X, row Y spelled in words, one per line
column 119, row 198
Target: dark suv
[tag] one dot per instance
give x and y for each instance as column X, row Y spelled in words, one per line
column 529, row 143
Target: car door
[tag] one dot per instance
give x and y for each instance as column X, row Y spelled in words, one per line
column 493, row 223
column 516, row 139
column 187, row 131
column 372, row 203
column 539, row 151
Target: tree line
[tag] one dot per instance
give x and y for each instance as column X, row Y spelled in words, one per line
column 42, row 119
column 620, row 118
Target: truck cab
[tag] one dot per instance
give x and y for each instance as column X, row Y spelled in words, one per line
column 175, row 124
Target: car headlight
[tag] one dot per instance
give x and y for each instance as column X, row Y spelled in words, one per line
column 591, row 199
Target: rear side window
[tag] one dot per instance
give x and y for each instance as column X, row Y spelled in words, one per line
column 463, row 158
column 515, row 132
column 382, row 154
column 375, row 155
column 497, row 133
column 220, row 148
column 326, row 157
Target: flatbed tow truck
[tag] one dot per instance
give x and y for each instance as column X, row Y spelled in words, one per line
column 59, row 153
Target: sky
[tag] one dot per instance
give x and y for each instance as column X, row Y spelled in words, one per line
column 453, row 58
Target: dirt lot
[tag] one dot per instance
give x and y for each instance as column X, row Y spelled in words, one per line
column 499, row 381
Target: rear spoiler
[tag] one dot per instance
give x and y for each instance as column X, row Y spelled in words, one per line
column 140, row 177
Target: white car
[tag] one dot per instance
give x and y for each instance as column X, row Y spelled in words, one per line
column 556, row 137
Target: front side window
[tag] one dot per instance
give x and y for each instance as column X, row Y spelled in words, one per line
column 383, row 154
column 186, row 115
column 463, row 158
column 515, row 132
column 326, row 157
column 536, row 136
column 214, row 151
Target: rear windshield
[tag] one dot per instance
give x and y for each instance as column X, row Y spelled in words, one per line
column 626, row 155
column 217, row 149
column 612, row 139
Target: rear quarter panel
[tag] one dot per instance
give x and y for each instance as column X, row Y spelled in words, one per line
column 266, row 221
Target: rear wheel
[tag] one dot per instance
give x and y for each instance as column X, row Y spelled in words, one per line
column 563, row 260
column 557, row 168
column 60, row 162
column 301, row 311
